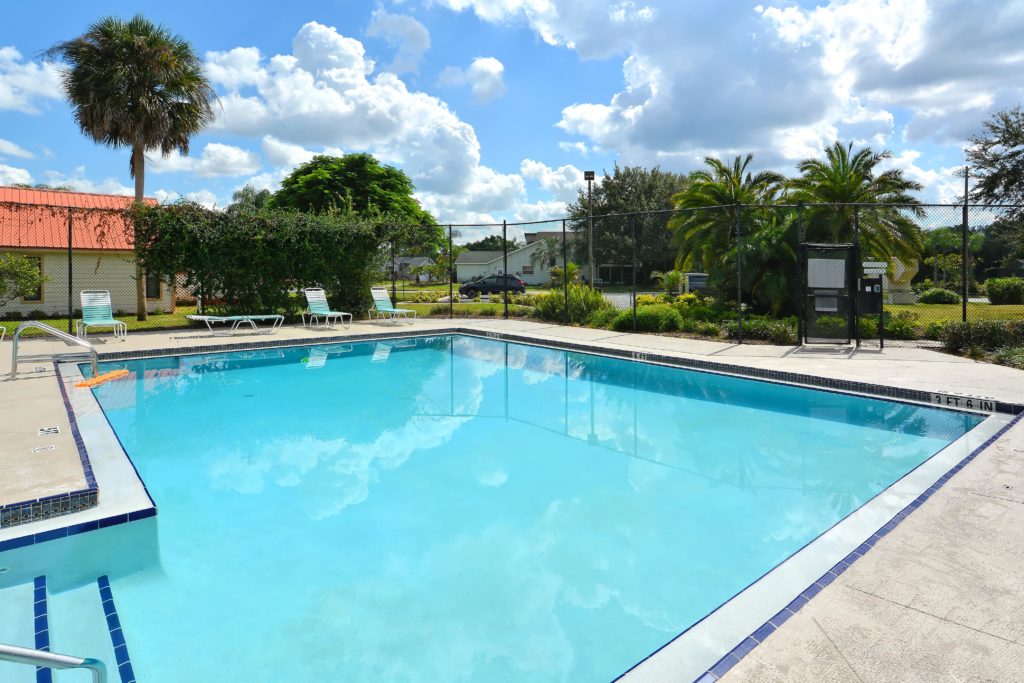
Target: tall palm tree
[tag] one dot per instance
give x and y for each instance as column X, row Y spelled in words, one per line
column 135, row 84
column 844, row 178
column 703, row 235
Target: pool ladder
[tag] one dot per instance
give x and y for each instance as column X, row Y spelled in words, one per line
column 52, row 331
column 52, row 660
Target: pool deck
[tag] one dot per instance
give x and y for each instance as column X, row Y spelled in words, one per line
column 939, row 598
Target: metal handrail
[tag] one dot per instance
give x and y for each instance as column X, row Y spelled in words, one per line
column 70, row 339
column 52, row 660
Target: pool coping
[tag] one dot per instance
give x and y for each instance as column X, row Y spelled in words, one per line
column 864, row 389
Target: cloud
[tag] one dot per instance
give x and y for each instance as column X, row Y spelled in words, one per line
column 563, row 182
column 204, row 197
column 9, row 175
column 284, row 153
column 23, row 83
column 409, row 36
column 577, row 147
column 79, row 182
column 216, row 159
column 8, row 148
column 485, row 76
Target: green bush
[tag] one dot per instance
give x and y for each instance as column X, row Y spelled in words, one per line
column 938, row 295
column 602, row 318
column 698, row 311
column 656, row 318
column 988, row 335
column 828, row 326
column 424, row 297
column 1012, row 356
column 1005, row 290
column 781, row 332
column 935, row 329
column 583, row 303
column 701, row 328
column 647, row 300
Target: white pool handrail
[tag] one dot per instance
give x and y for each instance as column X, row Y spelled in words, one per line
column 64, row 336
column 52, row 660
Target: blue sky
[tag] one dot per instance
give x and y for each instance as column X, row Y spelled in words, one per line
column 495, row 107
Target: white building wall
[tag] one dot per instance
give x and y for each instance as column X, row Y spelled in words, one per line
column 113, row 271
column 518, row 261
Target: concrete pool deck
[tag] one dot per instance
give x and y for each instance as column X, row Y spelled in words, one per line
column 939, row 598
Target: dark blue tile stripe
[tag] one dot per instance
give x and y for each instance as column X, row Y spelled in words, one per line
column 124, row 663
column 74, row 529
column 749, row 643
column 42, row 626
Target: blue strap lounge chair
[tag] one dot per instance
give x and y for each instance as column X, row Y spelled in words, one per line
column 97, row 312
column 316, row 299
column 383, row 308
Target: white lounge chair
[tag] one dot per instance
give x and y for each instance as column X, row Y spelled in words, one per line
column 233, row 322
column 97, row 312
column 316, row 299
column 383, row 308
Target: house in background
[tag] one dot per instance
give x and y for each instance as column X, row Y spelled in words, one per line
column 524, row 262
column 34, row 223
column 403, row 267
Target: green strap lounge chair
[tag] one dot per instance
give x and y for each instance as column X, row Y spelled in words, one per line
column 382, row 307
column 97, row 312
column 316, row 299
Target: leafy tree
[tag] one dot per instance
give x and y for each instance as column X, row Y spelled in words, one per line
column 19, row 276
column 997, row 159
column 557, row 278
column 492, row 243
column 547, row 254
column 629, row 189
column 249, row 198
column 134, row 84
column 845, row 177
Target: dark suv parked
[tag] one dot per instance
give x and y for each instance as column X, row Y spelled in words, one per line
column 493, row 284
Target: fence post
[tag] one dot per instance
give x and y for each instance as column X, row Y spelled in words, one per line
column 451, row 276
column 504, row 264
column 565, row 273
column 965, row 252
column 739, row 275
column 71, row 302
column 855, row 284
column 801, row 294
column 632, row 228
column 394, row 274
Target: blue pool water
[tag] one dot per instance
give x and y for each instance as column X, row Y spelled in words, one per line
column 464, row 509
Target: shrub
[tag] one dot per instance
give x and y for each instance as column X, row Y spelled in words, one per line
column 646, row 300
column 583, row 303
column 602, row 318
column 1012, row 356
column 657, row 318
column 983, row 334
column 903, row 325
column 424, row 297
column 782, row 332
column 1005, row 290
column 829, row 326
column 701, row 328
column 935, row 329
column 698, row 311
column 938, row 295
column 688, row 299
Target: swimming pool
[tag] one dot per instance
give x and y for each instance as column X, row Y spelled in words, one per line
column 457, row 508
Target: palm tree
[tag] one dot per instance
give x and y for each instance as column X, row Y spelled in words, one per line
column 844, row 178
column 134, row 84
column 705, row 227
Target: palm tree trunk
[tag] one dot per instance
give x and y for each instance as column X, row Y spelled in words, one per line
column 139, row 170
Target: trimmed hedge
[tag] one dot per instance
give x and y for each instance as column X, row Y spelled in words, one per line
column 938, row 295
column 654, row 318
column 1005, row 290
column 781, row 332
column 987, row 335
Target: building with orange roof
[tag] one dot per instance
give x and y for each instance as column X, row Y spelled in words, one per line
column 35, row 223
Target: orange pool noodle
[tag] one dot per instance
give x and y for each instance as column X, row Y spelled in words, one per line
column 100, row 379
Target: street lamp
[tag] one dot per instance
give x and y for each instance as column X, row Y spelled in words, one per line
column 589, row 177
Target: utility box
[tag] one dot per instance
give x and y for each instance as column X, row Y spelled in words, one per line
column 695, row 282
column 869, row 296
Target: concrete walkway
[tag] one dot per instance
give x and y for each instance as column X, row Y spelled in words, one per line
column 940, row 598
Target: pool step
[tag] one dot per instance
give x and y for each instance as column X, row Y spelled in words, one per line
column 17, row 627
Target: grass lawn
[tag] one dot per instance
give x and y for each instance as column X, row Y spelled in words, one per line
column 154, row 322
column 941, row 312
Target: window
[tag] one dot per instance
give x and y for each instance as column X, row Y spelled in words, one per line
column 152, row 286
column 37, row 295
column 527, row 270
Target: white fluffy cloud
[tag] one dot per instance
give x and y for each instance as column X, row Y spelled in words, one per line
column 10, row 149
column 10, row 175
column 80, row 182
column 23, row 83
column 562, row 182
column 410, row 38
column 485, row 76
column 216, row 159
column 326, row 94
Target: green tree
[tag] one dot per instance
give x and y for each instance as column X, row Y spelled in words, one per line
column 997, row 159
column 492, row 243
column 844, row 178
column 19, row 276
column 629, row 189
column 249, row 198
column 134, row 84
column 547, row 254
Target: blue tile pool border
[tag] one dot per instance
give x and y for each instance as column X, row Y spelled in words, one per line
column 41, row 622
column 124, row 662
column 745, row 646
column 57, row 505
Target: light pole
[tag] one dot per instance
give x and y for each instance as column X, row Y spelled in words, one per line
column 589, row 177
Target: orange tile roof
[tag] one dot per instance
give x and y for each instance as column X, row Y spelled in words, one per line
column 38, row 219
